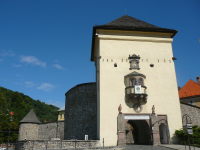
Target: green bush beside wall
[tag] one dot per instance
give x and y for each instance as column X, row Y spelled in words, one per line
column 196, row 135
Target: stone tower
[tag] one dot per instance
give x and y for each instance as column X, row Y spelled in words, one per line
column 135, row 68
column 28, row 129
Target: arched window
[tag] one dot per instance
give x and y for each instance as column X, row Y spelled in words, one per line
column 133, row 82
column 141, row 82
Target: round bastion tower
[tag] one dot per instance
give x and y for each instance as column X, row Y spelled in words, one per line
column 28, row 129
column 81, row 112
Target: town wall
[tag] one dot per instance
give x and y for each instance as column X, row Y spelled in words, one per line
column 80, row 112
column 192, row 111
column 42, row 131
column 50, row 130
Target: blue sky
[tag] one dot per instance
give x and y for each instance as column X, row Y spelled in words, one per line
column 45, row 45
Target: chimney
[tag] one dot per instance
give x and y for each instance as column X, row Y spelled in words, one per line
column 198, row 80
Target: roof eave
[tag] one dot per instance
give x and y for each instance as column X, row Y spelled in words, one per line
column 162, row 30
column 30, row 122
column 126, row 29
column 185, row 98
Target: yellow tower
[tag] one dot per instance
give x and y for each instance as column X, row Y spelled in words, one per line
column 135, row 68
column 61, row 114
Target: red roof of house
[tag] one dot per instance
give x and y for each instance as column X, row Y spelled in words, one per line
column 191, row 88
column 12, row 113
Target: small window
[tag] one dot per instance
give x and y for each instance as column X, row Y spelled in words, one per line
column 133, row 82
column 115, row 65
column 61, row 116
column 191, row 102
column 141, row 82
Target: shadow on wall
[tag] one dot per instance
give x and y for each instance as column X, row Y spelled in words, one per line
column 175, row 139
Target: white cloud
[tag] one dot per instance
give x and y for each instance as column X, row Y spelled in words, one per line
column 1, row 59
column 6, row 53
column 45, row 87
column 57, row 66
column 17, row 66
column 57, row 61
column 29, row 84
column 32, row 60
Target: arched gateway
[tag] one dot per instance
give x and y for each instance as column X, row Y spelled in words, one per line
column 146, row 129
column 138, row 132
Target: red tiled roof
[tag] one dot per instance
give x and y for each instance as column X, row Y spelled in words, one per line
column 12, row 113
column 191, row 88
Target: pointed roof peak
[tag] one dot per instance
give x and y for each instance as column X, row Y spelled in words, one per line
column 30, row 118
column 128, row 22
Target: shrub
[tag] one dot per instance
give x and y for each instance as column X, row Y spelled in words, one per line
column 196, row 136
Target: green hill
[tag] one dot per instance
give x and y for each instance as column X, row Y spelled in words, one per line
column 21, row 104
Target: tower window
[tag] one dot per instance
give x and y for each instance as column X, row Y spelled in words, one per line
column 115, row 65
column 141, row 82
column 133, row 82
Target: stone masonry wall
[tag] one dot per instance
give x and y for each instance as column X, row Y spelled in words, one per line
column 39, row 145
column 28, row 131
column 81, row 112
column 192, row 111
column 50, row 130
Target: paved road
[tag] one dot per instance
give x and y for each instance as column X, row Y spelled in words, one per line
column 133, row 147
column 145, row 147
column 180, row 147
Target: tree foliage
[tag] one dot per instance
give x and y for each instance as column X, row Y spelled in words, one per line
column 20, row 104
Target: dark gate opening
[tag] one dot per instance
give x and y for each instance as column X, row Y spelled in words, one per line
column 137, row 132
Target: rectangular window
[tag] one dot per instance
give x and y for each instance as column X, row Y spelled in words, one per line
column 61, row 116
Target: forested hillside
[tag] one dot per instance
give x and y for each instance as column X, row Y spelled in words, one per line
column 21, row 104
